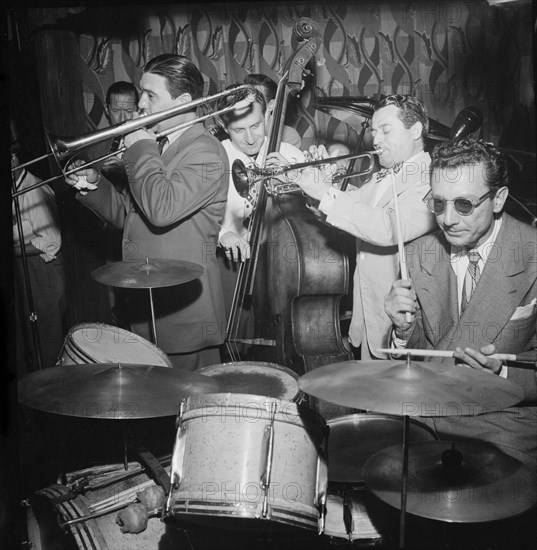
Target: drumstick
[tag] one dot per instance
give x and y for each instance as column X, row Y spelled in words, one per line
column 524, row 357
column 400, row 242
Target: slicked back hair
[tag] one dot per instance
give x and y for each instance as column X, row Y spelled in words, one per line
column 466, row 151
column 411, row 110
column 181, row 75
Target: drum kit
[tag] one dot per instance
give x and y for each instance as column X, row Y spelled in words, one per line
column 250, row 454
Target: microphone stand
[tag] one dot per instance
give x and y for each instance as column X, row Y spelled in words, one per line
column 27, row 283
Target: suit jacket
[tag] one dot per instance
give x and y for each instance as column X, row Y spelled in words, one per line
column 173, row 211
column 377, row 259
column 494, row 315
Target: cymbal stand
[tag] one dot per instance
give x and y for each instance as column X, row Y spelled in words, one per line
column 153, row 323
column 28, row 285
column 404, row 480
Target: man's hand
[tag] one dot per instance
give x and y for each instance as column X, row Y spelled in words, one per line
column 399, row 301
column 479, row 359
column 113, row 164
column 84, row 180
column 235, row 247
column 137, row 135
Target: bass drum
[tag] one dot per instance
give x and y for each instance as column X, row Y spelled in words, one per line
column 49, row 508
column 255, row 378
column 248, row 462
column 356, row 437
column 100, row 343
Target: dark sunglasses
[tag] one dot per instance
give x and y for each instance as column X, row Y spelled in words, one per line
column 462, row 205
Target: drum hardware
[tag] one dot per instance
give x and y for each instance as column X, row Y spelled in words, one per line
column 111, row 390
column 154, row 273
column 522, row 357
column 234, row 466
column 255, row 377
column 268, row 446
column 454, row 482
column 100, row 343
column 410, row 389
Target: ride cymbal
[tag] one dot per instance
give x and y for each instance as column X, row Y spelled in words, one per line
column 149, row 273
column 111, row 390
column 456, row 482
column 411, row 388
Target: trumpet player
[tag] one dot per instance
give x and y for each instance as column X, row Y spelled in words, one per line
column 399, row 128
column 175, row 201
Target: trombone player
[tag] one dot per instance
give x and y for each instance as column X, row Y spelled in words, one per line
column 175, row 202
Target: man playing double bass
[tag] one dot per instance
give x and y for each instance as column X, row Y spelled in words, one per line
column 399, row 129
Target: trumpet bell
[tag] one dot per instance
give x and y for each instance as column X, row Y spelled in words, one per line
column 242, row 177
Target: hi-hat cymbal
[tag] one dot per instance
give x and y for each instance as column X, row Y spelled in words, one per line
column 111, row 390
column 411, row 389
column 459, row 482
column 149, row 273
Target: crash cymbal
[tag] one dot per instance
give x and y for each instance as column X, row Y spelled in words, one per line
column 149, row 273
column 456, row 482
column 111, row 390
column 410, row 388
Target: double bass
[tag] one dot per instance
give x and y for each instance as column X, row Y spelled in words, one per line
column 298, row 271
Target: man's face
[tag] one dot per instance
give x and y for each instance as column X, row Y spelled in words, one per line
column 247, row 133
column 393, row 142
column 121, row 108
column 465, row 182
column 155, row 97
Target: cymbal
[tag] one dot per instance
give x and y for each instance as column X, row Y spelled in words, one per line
column 149, row 273
column 111, row 390
column 456, row 482
column 411, row 389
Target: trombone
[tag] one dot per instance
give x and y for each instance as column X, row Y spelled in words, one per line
column 64, row 148
column 244, row 177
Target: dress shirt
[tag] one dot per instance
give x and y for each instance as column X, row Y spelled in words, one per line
column 39, row 216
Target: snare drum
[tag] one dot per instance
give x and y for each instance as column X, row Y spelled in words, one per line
column 100, row 343
column 248, row 462
column 49, row 508
column 255, row 378
column 356, row 437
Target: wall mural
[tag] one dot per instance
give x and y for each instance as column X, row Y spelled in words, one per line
column 451, row 55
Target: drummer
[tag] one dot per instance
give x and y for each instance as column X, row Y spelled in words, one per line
column 473, row 289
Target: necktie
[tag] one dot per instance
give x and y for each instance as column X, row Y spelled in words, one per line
column 396, row 168
column 161, row 144
column 471, row 278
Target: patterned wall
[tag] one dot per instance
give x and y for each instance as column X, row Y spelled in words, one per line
column 450, row 54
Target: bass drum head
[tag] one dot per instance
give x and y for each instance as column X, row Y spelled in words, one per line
column 356, row 437
column 101, row 343
column 255, row 378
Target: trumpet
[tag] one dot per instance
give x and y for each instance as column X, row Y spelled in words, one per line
column 245, row 177
column 64, row 148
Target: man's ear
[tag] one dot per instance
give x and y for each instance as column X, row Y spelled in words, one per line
column 500, row 198
column 270, row 105
column 416, row 129
column 184, row 98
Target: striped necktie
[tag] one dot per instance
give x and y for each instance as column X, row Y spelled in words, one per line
column 470, row 279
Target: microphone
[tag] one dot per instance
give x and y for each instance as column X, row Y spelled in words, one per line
column 466, row 122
